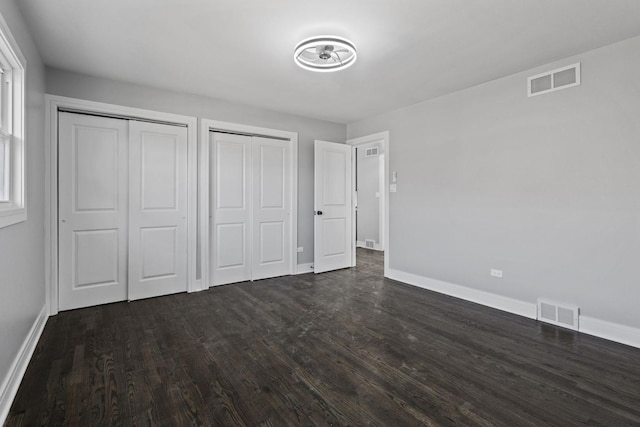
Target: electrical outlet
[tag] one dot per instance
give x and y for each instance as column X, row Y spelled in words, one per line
column 496, row 273
column 300, row 249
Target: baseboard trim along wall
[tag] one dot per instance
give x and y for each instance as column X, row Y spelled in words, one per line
column 480, row 297
column 13, row 378
column 610, row 331
column 361, row 244
column 588, row 325
column 305, row 268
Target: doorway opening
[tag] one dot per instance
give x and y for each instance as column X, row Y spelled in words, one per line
column 370, row 195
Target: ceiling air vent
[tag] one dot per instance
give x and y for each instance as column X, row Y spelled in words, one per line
column 371, row 151
column 558, row 314
column 553, row 80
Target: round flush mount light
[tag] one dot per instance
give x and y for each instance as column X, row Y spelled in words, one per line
column 325, row 53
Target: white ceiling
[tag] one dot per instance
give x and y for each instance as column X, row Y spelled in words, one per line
column 242, row 50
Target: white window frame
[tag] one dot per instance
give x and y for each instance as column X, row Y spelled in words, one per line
column 12, row 130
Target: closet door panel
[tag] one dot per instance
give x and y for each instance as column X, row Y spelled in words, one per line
column 271, row 236
column 271, row 211
column 92, row 201
column 231, row 247
column 159, row 249
column 231, row 208
column 157, row 210
column 160, row 165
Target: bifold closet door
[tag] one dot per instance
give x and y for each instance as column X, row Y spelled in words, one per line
column 250, row 205
column 92, row 216
column 157, row 209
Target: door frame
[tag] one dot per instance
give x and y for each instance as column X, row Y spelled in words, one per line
column 55, row 103
column 384, row 221
column 205, row 126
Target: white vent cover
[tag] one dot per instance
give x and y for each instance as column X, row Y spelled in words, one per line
column 371, row 151
column 369, row 243
column 558, row 314
column 560, row 78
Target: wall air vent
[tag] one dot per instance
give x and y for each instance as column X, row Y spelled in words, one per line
column 553, row 80
column 371, row 151
column 559, row 314
column 369, row 243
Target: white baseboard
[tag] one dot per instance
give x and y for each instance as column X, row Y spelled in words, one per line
column 588, row 325
column 13, row 378
column 361, row 244
column 499, row 302
column 305, row 268
column 610, row 331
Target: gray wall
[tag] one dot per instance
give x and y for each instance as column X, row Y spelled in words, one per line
column 65, row 83
column 545, row 188
column 368, row 203
column 22, row 288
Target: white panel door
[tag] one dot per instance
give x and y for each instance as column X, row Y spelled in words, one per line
column 157, row 209
column 92, row 215
column 333, row 246
column 231, row 208
column 271, row 208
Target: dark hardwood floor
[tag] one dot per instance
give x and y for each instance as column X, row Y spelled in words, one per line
column 341, row 348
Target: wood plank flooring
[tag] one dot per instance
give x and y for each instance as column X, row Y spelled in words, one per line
column 341, row 348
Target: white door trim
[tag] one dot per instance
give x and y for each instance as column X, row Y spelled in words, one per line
column 206, row 126
column 368, row 139
column 53, row 104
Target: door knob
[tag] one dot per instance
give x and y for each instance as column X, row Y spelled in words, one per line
column 318, row 212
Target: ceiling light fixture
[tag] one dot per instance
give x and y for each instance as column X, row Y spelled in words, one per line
column 325, row 53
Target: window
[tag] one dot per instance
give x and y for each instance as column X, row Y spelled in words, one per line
column 12, row 72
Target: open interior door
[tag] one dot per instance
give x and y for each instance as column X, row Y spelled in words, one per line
column 333, row 245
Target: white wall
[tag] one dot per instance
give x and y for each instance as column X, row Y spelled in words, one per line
column 545, row 188
column 22, row 283
column 368, row 221
column 81, row 86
